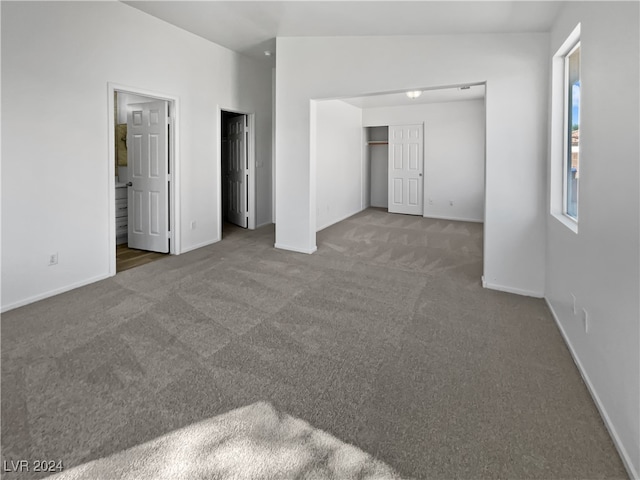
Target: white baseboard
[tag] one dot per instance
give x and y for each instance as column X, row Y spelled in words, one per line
column 295, row 249
column 624, row 455
column 199, row 245
column 51, row 293
column 455, row 219
column 517, row 291
column 344, row 217
column 264, row 224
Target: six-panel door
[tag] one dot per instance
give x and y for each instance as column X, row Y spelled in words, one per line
column 147, row 155
column 405, row 169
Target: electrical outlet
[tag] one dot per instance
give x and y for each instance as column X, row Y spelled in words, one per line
column 193, row 225
column 585, row 319
column 431, row 201
column 573, row 297
column 53, row 259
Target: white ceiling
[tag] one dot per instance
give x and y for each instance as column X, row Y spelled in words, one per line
column 453, row 94
column 250, row 27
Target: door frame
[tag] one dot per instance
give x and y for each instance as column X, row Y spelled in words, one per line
column 251, row 152
column 174, row 161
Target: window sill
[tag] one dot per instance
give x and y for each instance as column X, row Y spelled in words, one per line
column 567, row 221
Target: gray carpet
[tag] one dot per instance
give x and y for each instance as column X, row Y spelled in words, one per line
column 383, row 339
column 253, row 442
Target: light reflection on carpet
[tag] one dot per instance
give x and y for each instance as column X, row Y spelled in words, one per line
column 252, row 442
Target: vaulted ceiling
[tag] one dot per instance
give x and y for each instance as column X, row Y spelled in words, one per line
column 250, row 27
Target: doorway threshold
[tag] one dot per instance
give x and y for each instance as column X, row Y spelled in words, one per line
column 127, row 258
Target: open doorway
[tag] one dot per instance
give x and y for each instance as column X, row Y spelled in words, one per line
column 453, row 179
column 143, row 180
column 441, row 172
column 237, row 185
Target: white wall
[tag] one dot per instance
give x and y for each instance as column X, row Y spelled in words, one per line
column 57, row 61
column 453, row 154
column 254, row 94
column 600, row 264
column 515, row 67
column 338, row 151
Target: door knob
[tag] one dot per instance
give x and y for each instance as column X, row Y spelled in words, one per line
column 129, row 184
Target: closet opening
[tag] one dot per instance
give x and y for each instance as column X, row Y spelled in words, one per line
column 377, row 141
column 237, row 171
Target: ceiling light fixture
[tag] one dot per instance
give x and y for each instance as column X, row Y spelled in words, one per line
column 414, row 94
column 267, row 53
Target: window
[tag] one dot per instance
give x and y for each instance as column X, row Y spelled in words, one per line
column 572, row 132
column 564, row 133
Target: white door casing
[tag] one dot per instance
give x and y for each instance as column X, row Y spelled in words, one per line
column 237, row 170
column 405, row 169
column 147, row 156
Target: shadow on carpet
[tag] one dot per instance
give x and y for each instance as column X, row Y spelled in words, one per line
column 252, row 442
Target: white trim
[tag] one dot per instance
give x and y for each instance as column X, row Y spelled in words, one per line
column 313, row 182
column 264, row 224
column 624, row 455
column 200, row 245
column 296, row 249
column 54, row 292
column 567, row 221
column 273, row 145
column 455, row 219
column 365, row 182
column 174, row 164
column 484, row 186
column 251, row 183
column 566, row 114
column 557, row 132
column 111, row 181
column 517, row 291
column 344, row 217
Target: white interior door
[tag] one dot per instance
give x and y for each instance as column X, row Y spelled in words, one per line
column 147, row 156
column 237, row 168
column 405, row 169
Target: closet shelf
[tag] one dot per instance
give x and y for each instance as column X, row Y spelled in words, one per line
column 378, row 142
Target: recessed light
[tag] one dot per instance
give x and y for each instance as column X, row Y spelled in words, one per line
column 267, row 53
column 414, row 94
